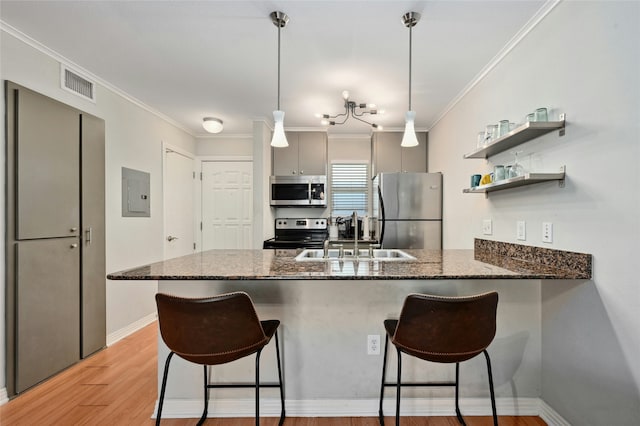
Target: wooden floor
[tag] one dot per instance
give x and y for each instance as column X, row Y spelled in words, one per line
column 117, row 386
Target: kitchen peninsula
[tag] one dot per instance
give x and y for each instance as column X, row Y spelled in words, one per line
column 328, row 308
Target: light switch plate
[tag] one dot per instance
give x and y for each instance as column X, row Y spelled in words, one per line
column 487, row 229
column 547, row 232
column 521, row 230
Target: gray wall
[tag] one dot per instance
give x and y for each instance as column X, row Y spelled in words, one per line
column 583, row 58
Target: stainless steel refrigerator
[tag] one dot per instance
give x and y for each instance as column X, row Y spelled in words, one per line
column 408, row 207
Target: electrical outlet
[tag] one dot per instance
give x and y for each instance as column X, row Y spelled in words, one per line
column 373, row 344
column 486, row 227
column 547, row 232
column 521, row 230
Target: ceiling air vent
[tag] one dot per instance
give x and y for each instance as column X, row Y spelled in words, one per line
column 75, row 83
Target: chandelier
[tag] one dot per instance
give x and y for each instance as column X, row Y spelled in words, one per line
column 351, row 109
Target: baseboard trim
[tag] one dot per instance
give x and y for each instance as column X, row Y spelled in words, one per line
column 551, row 416
column 4, row 396
column 270, row 407
column 130, row 329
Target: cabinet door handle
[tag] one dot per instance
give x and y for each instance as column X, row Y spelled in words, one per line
column 74, row 229
column 74, row 245
column 89, row 234
column 301, row 172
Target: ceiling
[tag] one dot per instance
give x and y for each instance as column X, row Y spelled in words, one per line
column 191, row 59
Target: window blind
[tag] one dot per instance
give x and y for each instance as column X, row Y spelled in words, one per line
column 349, row 189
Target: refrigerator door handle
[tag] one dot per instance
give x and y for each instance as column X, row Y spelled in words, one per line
column 381, row 215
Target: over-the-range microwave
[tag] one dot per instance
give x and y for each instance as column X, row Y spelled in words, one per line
column 298, row 191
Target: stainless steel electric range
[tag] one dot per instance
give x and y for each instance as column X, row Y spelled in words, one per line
column 293, row 233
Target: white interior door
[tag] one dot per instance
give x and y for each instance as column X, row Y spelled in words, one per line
column 227, row 205
column 179, row 238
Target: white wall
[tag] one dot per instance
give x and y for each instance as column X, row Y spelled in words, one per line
column 225, row 145
column 583, row 59
column 263, row 214
column 133, row 139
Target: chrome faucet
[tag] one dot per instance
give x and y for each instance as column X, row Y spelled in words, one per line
column 354, row 220
column 325, row 249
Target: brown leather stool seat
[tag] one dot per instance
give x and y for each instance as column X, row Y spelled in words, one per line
column 212, row 331
column 445, row 330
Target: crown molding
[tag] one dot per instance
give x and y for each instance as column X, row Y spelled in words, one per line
column 225, row 136
column 511, row 44
column 14, row 32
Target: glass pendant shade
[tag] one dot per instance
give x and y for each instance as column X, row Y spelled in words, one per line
column 409, row 138
column 279, row 139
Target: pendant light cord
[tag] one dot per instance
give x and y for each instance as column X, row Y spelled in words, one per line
column 410, row 51
column 279, row 67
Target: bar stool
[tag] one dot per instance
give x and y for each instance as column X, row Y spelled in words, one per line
column 445, row 330
column 212, row 331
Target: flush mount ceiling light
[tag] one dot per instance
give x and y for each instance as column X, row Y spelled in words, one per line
column 410, row 19
column 351, row 109
column 212, row 124
column 279, row 140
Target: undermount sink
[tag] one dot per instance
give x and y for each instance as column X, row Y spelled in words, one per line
column 385, row 255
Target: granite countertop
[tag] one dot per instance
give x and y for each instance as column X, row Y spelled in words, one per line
column 429, row 264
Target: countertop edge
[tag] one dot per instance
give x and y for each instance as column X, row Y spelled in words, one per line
column 490, row 260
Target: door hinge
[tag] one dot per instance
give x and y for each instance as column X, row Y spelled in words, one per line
column 200, row 175
column 201, row 226
column 194, row 175
column 194, row 246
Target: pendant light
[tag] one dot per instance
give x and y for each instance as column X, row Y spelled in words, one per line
column 279, row 139
column 409, row 138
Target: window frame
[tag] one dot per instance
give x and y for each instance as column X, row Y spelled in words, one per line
column 367, row 188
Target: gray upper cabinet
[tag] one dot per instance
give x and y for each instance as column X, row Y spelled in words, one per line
column 305, row 155
column 389, row 156
column 48, row 162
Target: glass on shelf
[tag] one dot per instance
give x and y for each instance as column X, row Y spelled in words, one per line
column 541, row 114
column 490, row 133
column 504, row 127
column 516, row 168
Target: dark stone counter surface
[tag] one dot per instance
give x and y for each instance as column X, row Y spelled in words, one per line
column 489, row 260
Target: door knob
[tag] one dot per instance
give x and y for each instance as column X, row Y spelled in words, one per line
column 171, row 238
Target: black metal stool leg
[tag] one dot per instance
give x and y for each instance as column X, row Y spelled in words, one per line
column 282, row 413
column 164, row 386
column 384, row 372
column 258, row 387
column 206, row 398
column 493, row 396
column 458, row 413
column 398, row 387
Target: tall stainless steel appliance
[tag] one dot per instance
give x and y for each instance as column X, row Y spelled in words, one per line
column 408, row 207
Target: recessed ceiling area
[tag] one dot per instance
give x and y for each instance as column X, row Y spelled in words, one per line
column 194, row 59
